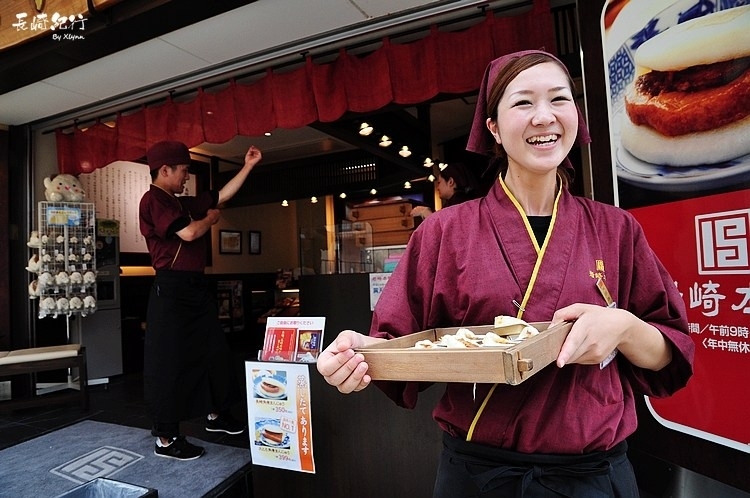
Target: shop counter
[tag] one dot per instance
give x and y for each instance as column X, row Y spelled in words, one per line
column 364, row 445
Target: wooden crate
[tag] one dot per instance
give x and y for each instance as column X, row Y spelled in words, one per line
column 397, row 359
column 400, row 209
column 391, row 224
column 398, row 238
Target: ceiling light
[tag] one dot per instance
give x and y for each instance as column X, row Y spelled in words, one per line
column 404, row 152
column 428, row 163
column 268, row 133
column 431, row 178
column 385, row 141
column 365, row 129
column 407, row 185
column 285, row 203
column 313, row 199
column 442, row 166
column 373, row 191
column 342, row 195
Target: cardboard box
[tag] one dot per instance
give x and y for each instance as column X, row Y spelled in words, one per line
column 397, row 359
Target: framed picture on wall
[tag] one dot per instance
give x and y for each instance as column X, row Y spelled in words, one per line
column 230, row 242
column 254, row 242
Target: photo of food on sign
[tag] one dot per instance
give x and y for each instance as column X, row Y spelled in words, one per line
column 679, row 93
column 269, row 384
column 268, row 432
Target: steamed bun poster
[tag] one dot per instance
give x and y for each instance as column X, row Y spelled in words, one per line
column 678, row 80
column 679, row 95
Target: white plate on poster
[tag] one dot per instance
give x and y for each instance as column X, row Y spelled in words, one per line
column 270, row 388
column 621, row 71
column 678, row 179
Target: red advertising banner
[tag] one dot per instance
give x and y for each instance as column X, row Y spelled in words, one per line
column 705, row 245
column 681, row 158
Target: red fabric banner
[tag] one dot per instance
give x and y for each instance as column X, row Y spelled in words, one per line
column 407, row 73
column 414, row 71
column 330, row 97
column 367, row 80
column 462, row 57
column 185, row 122
column 533, row 30
column 131, row 135
column 87, row 149
column 219, row 123
column 253, row 107
column 293, row 99
column 156, row 122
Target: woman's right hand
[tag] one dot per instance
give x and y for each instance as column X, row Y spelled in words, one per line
column 341, row 366
column 421, row 211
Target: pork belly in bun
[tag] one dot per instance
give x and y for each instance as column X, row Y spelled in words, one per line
column 690, row 101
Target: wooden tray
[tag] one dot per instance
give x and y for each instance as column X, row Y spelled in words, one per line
column 397, row 359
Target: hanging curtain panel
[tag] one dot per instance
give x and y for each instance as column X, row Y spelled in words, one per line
column 217, row 110
column 253, row 107
column 330, row 97
column 413, row 69
column 293, row 99
column 401, row 73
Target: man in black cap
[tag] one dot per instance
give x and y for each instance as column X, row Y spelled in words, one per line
column 187, row 367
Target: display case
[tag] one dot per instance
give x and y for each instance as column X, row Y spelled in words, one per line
column 63, row 260
column 339, row 248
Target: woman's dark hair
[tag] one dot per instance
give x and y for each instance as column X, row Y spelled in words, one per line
column 499, row 164
column 466, row 185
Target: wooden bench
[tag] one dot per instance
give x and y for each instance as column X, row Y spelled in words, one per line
column 33, row 360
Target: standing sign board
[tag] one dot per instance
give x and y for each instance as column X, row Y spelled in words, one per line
column 278, row 393
column 279, row 418
column 690, row 194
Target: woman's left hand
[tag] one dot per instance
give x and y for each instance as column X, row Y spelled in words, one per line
column 597, row 331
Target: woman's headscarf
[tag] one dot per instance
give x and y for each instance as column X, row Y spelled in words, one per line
column 481, row 140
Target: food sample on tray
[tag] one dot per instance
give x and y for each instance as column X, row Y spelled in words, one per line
column 510, row 325
column 508, row 331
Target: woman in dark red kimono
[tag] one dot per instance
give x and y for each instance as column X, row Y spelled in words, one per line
column 187, row 371
column 532, row 250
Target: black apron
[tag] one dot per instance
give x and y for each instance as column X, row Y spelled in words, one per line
column 187, row 363
column 470, row 470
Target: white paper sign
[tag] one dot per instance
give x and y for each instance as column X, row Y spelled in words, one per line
column 279, row 418
column 377, row 283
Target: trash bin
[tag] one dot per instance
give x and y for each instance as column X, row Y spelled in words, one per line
column 108, row 488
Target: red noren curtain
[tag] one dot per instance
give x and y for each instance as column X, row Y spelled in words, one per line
column 409, row 73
